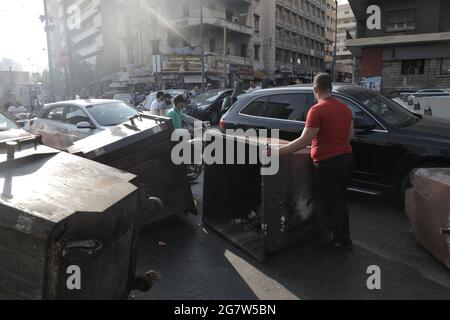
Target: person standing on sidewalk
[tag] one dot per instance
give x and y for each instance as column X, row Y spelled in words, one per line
column 329, row 128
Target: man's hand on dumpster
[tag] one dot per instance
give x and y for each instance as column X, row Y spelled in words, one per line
column 267, row 150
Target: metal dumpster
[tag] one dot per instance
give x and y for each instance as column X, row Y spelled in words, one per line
column 143, row 147
column 63, row 216
column 428, row 209
column 262, row 214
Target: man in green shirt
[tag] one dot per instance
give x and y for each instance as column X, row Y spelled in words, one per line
column 177, row 116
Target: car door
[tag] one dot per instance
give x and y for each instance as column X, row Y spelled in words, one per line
column 52, row 127
column 286, row 112
column 73, row 117
column 372, row 154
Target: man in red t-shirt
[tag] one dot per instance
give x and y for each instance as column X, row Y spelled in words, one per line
column 329, row 131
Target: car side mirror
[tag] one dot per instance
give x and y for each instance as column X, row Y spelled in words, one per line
column 364, row 123
column 84, row 125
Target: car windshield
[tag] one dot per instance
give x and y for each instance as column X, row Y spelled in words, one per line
column 111, row 114
column 6, row 124
column 209, row 96
column 389, row 111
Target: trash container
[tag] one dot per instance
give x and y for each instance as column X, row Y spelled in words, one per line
column 261, row 214
column 68, row 226
column 428, row 209
column 143, row 147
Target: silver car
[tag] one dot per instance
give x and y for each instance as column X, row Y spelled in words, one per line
column 63, row 123
column 9, row 130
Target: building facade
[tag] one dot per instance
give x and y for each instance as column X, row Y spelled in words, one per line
column 410, row 51
column 295, row 39
column 131, row 44
column 84, row 45
column 330, row 34
column 346, row 24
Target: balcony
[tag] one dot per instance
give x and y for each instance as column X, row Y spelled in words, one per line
column 237, row 3
column 215, row 22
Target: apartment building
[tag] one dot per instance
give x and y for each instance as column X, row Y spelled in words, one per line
column 123, row 44
column 346, row 26
column 84, row 45
column 176, row 40
column 296, row 33
column 410, row 51
column 330, row 34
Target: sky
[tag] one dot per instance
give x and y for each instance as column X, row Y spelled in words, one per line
column 22, row 33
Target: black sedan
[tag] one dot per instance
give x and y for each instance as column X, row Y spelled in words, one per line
column 208, row 105
column 389, row 140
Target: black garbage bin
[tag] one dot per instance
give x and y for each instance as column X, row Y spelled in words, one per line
column 143, row 147
column 262, row 214
column 63, row 216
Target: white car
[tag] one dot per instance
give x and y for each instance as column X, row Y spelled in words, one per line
column 125, row 97
column 9, row 130
column 63, row 123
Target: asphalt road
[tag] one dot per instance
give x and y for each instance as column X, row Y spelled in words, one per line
column 199, row 265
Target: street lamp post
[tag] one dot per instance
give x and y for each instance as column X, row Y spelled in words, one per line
column 335, row 42
column 49, row 52
column 202, row 45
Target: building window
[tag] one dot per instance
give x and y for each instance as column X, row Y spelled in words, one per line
column 411, row 67
column 257, row 50
column 185, row 10
column 257, row 19
column 212, row 45
column 445, row 66
column 130, row 53
column 401, row 20
column 244, row 50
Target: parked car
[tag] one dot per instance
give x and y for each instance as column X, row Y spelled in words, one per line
column 9, row 129
column 125, row 97
column 432, row 93
column 61, row 124
column 389, row 143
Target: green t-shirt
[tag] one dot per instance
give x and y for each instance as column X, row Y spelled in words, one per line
column 177, row 118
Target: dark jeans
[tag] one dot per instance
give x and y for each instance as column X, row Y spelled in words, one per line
column 331, row 179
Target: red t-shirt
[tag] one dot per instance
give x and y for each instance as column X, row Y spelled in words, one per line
column 334, row 119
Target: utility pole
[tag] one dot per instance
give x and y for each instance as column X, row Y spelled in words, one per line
column 202, row 45
column 335, row 43
column 225, row 57
column 49, row 52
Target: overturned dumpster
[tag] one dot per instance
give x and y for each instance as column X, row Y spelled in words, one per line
column 68, row 226
column 261, row 214
column 143, row 147
column 428, row 208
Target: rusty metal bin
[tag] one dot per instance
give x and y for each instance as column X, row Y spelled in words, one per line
column 275, row 211
column 57, row 211
column 143, row 147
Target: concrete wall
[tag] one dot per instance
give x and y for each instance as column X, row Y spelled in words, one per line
column 393, row 79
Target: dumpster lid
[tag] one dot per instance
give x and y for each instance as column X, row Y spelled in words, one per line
column 118, row 137
column 26, row 146
column 54, row 186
